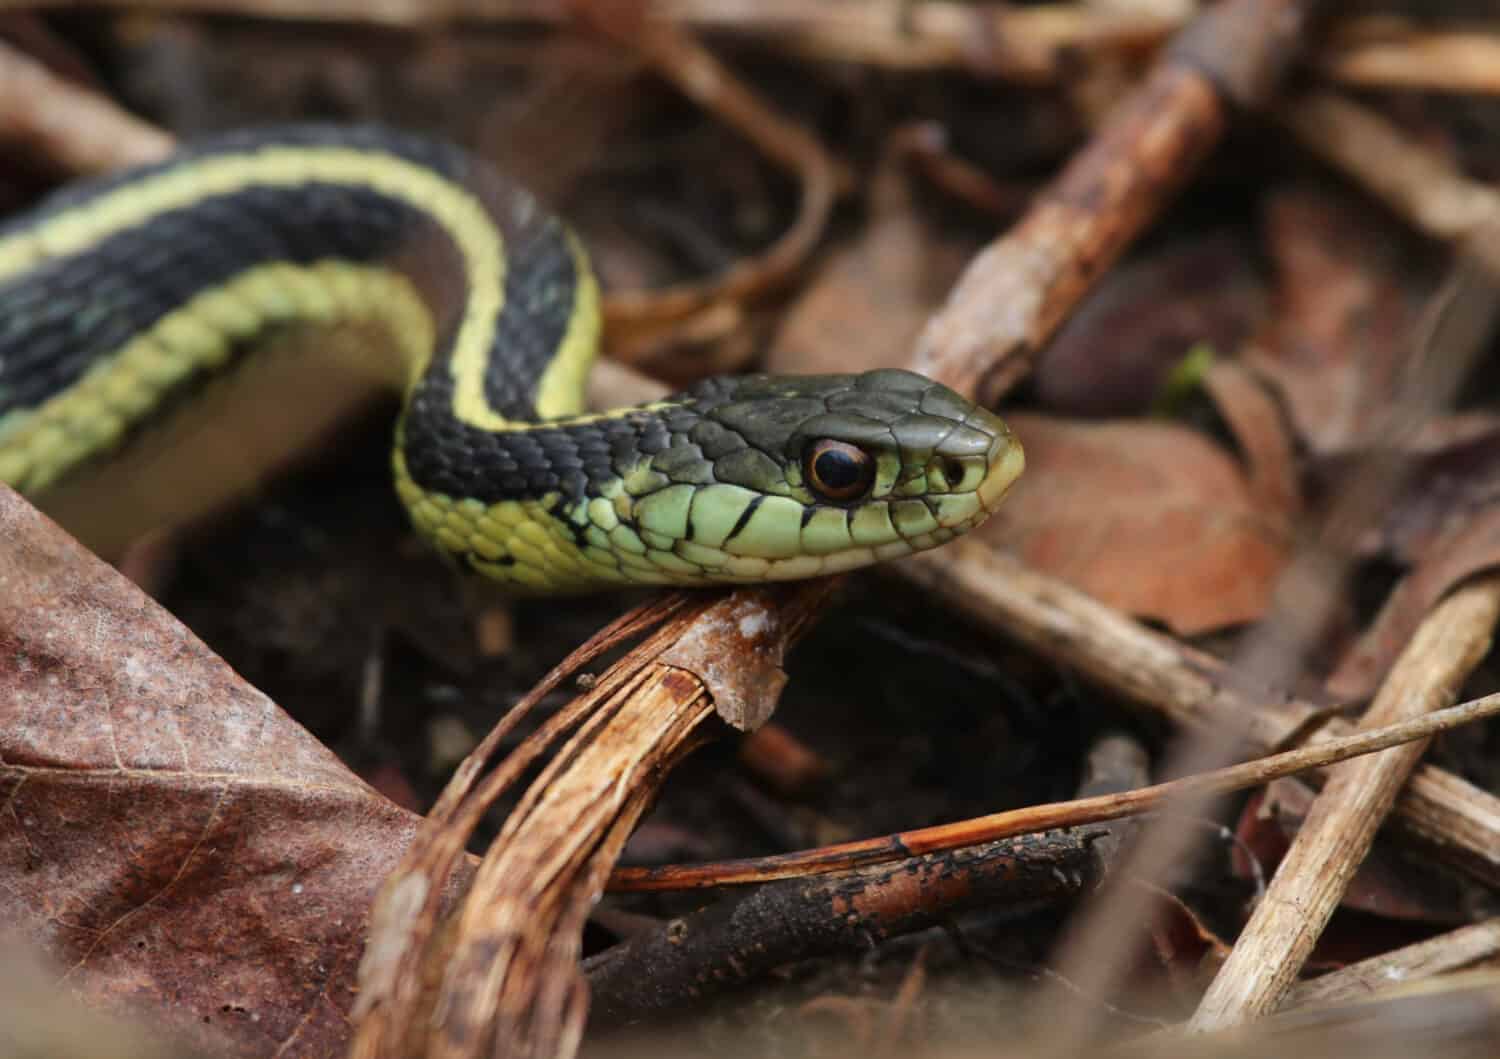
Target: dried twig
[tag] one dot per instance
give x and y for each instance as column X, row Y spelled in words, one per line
column 925, row 144
column 885, row 849
column 1387, row 54
column 1453, row 951
column 633, row 316
column 1338, row 831
column 738, row 940
column 1030, row 45
column 734, row 941
column 1018, row 290
column 71, row 128
column 1453, row 818
column 1415, row 181
column 1036, row 44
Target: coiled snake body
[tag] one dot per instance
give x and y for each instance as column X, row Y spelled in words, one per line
column 126, row 302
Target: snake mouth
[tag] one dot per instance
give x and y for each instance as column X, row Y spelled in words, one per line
column 1006, row 460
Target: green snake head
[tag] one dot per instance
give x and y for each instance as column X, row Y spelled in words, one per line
column 817, row 474
column 744, row 479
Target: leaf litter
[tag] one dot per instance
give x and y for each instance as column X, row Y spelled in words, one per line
column 227, row 837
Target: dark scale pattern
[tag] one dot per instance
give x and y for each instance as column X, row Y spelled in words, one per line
column 538, row 304
column 434, row 154
column 60, row 317
column 448, row 456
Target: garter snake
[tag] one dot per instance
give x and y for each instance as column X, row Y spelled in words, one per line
column 125, row 300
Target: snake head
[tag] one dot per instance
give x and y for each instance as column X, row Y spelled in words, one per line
column 741, row 479
column 783, row 477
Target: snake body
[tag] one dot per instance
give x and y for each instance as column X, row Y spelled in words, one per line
column 124, row 301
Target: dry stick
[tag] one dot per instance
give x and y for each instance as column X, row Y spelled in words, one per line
column 1189, row 688
column 848, row 855
column 1035, row 45
column 1463, row 63
column 736, row 941
column 1032, row 45
column 703, row 79
column 1333, row 841
column 1453, row 951
column 1016, row 292
column 1040, row 44
column 1417, row 183
column 676, row 963
column 69, row 127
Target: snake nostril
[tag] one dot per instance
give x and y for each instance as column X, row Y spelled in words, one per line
column 953, row 472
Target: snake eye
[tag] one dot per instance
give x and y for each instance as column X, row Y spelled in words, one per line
column 838, row 471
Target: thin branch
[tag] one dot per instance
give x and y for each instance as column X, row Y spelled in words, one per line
column 1018, row 290
column 1401, row 56
column 1338, row 831
column 1074, row 813
column 739, row 940
column 694, row 70
column 71, row 128
column 1416, row 182
column 1191, row 689
column 1464, row 947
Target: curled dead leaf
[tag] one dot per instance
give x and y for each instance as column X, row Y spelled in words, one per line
column 1151, row 518
column 1347, row 307
column 1114, row 354
column 172, row 839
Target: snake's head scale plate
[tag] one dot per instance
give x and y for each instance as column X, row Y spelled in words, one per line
column 797, row 476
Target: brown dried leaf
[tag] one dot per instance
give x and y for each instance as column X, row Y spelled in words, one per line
column 1385, row 884
column 1263, row 436
column 170, row 837
column 1185, row 948
column 1151, row 518
column 1464, row 551
column 1454, row 477
column 1113, row 355
column 866, row 306
column 1445, row 521
column 1345, row 316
